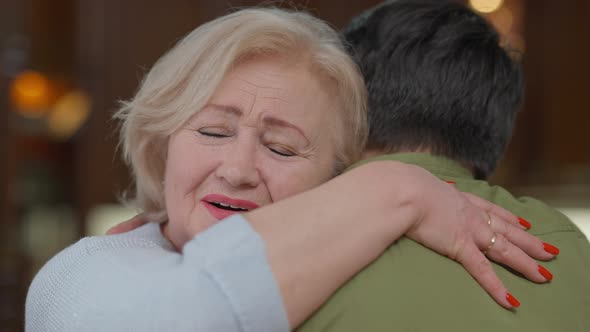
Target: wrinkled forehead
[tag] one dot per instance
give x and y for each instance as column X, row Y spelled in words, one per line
column 282, row 84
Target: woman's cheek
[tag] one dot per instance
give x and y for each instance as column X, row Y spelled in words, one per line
column 294, row 181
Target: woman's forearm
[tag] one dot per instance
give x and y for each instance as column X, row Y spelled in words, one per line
column 318, row 240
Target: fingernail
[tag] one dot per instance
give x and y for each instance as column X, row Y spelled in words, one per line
column 512, row 300
column 543, row 271
column 550, row 248
column 450, row 182
column 524, row 223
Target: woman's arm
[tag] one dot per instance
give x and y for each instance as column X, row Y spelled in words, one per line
column 137, row 282
column 317, row 240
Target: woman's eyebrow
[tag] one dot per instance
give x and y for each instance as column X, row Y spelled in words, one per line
column 225, row 108
column 272, row 121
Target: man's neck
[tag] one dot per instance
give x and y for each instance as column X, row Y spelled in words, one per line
column 370, row 153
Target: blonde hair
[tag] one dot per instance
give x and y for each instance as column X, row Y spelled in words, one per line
column 182, row 81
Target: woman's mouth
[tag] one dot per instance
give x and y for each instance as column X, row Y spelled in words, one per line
column 227, row 207
column 221, row 206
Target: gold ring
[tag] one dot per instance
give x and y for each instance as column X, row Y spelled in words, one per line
column 492, row 242
column 489, row 220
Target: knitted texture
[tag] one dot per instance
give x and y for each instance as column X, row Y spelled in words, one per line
column 136, row 281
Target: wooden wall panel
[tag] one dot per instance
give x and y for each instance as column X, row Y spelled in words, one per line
column 551, row 144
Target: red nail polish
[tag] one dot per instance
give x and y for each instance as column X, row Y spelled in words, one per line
column 512, row 300
column 543, row 271
column 450, row 182
column 550, row 248
column 524, row 223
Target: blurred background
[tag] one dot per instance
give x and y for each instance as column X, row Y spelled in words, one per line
column 64, row 65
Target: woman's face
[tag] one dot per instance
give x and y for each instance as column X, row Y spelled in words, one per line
column 267, row 133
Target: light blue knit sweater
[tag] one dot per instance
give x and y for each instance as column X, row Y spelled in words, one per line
column 136, row 282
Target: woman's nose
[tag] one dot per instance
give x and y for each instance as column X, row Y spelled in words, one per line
column 239, row 167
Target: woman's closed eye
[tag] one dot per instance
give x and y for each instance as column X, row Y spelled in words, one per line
column 214, row 132
column 281, row 150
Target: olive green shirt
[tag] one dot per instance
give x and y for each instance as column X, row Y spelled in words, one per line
column 411, row 288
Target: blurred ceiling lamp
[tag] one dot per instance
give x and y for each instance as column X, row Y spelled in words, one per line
column 30, row 92
column 485, row 6
column 68, row 114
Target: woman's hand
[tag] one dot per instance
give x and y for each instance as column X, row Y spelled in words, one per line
column 467, row 228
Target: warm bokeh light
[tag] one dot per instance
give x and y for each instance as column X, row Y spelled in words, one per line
column 485, row 6
column 31, row 93
column 68, row 114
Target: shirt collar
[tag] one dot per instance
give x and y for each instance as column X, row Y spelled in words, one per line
column 440, row 166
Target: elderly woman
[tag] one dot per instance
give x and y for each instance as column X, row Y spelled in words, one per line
column 261, row 107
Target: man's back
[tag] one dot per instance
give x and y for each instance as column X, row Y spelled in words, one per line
column 410, row 288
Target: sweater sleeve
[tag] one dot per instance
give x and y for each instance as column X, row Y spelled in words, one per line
column 221, row 282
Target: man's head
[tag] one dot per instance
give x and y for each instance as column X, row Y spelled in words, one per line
column 438, row 81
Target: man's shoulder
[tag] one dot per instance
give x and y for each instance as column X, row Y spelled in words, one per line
column 545, row 219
